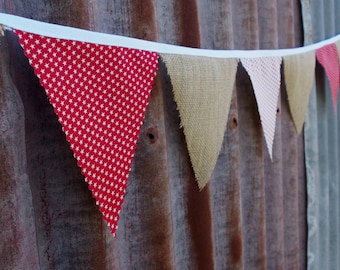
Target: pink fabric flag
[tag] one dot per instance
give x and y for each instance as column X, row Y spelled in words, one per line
column 265, row 74
column 329, row 59
column 100, row 95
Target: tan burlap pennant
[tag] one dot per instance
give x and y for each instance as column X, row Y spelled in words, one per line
column 202, row 89
column 299, row 72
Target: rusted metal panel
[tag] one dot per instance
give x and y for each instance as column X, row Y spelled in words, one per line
column 252, row 214
column 18, row 248
column 322, row 147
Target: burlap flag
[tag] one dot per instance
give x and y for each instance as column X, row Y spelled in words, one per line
column 202, row 89
column 329, row 59
column 299, row 72
column 265, row 74
column 100, row 95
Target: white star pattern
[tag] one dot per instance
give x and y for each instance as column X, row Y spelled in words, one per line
column 100, row 95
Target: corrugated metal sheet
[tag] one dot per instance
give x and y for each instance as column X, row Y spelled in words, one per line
column 322, row 150
column 251, row 216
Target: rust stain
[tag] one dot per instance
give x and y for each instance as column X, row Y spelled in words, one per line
column 143, row 20
column 200, row 224
column 190, row 24
column 235, row 247
column 235, row 241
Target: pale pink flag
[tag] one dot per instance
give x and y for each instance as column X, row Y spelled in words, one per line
column 329, row 59
column 265, row 75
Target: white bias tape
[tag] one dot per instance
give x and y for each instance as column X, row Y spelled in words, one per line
column 70, row 33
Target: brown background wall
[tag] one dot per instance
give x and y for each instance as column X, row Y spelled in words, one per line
column 252, row 215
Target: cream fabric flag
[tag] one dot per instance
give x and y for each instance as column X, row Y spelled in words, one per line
column 265, row 75
column 299, row 72
column 337, row 44
column 202, row 89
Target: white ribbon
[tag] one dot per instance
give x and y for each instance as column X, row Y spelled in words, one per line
column 65, row 32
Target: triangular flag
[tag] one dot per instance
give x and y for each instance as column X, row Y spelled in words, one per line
column 329, row 59
column 265, row 74
column 100, row 95
column 337, row 44
column 299, row 72
column 202, row 89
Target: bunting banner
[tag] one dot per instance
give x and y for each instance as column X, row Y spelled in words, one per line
column 299, row 76
column 328, row 57
column 202, row 89
column 265, row 74
column 99, row 91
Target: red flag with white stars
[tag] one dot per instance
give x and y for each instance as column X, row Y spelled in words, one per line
column 100, row 94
